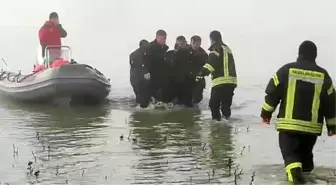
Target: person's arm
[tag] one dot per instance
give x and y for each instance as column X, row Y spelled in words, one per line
column 204, row 58
column 131, row 59
column 328, row 105
column 43, row 33
column 147, row 59
column 273, row 95
column 209, row 66
column 144, row 63
column 63, row 33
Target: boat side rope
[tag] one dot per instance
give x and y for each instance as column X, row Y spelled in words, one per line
column 13, row 77
column 20, row 80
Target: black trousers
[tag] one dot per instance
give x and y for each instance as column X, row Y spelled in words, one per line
column 296, row 147
column 142, row 92
column 184, row 92
column 198, row 88
column 221, row 100
column 135, row 82
column 160, row 89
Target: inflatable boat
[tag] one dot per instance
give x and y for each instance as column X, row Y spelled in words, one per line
column 56, row 78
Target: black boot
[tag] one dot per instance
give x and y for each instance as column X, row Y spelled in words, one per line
column 297, row 176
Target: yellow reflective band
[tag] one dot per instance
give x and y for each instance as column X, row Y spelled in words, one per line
column 267, row 107
column 226, row 63
column 299, row 125
column 288, row 170
column 316, row 102
column 331, row 122
column 214, row 52
column 293, row 165
column 290, row 98
column 226, row 52
column 306, row 74
column 227, row 49
column 224, row 80
column 331, row 90
column 209, row 67
column 275, row 80
column 314, row 77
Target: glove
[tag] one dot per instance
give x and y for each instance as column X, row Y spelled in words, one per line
column 147, row 76
column 153, row 100
column 266, row 121
column 198, row 78
column 331, row 133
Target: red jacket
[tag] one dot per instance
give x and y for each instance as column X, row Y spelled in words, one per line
column 51, row 34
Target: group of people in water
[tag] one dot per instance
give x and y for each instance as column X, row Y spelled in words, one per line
column 167, row 76
column 303, row 90
column 175, row 76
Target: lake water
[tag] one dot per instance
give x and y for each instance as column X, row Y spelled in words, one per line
column 83, row 145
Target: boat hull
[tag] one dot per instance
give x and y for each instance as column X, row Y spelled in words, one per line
column 74, row 81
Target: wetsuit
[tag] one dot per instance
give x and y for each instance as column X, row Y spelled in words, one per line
column 157, row 66
column 171, row 90
column 139, row 83
column 184, row 78
column 224, row 79
column 198, row 59
column 306, row 96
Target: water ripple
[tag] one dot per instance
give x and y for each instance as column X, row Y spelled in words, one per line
column 97, row 146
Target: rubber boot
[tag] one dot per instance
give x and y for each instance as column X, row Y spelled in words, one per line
column 297, row 176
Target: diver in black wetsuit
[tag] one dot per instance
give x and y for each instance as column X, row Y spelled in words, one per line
column 139, row 75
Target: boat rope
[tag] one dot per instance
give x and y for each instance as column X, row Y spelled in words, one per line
column 13, row 77
column 25, row 77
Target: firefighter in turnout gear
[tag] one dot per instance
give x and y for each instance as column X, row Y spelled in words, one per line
column 221, row 66
column 306, row 96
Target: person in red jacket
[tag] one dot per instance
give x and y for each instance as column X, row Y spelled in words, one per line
column 50, row 34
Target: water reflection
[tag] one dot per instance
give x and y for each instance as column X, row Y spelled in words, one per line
column 71, row 139
column 160, row 136
column 155, row 128
column 173, row 151
column 60, row 117
column 58, row 129
column 221, row 145
column 169, row 147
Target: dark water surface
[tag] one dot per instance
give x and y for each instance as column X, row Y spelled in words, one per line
column 177, row 146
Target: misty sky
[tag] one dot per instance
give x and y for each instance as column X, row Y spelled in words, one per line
column 263, row 34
